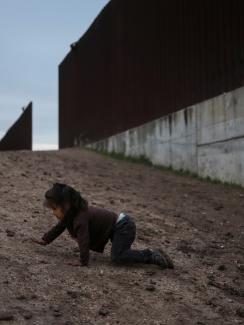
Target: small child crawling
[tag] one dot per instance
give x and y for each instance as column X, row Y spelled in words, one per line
column 93, row 227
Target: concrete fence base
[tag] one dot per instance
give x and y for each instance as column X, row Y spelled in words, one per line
column 206, row 139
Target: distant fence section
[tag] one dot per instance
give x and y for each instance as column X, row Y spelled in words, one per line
column 142, row 60
column 206, row 139
column 19, row 136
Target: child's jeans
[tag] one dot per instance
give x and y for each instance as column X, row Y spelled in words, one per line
column 123, row 236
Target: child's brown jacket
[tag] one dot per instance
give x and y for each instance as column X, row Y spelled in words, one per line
column 91, row 228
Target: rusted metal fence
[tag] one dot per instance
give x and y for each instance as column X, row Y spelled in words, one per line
column 19, row 136
column 141, row 60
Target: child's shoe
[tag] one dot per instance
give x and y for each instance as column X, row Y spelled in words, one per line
column 160, row 258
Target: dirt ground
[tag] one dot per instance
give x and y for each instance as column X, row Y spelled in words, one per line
column 199, row 224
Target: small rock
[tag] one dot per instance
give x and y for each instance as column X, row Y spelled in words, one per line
column 33, row 296
column 150, row 287
column 72, row 294
column 211, row 302
column 229, row 235
column 54, row 308
column 10, row 233
column 210, row 220
column 222, row 267
column 43, row 262
column 103, row 311
column 57, row 314
column 218, row 207
column 177, row 215
column 7, row 316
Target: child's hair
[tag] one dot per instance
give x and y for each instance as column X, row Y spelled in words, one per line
column 60, row 194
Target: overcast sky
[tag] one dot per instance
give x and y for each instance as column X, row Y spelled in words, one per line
column 35, row 37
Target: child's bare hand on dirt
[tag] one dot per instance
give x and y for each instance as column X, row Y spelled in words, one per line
column 39, row 242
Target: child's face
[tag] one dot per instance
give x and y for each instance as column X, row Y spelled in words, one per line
column 58, row 212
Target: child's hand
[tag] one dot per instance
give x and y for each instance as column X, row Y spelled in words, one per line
column 39, row 242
